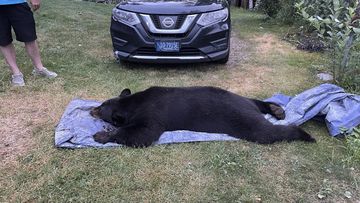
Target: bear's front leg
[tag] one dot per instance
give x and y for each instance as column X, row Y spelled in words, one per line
column 138, row 135
column 104, row 137
column 133, row 135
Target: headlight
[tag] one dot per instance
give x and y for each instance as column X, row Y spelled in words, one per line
column 125, row 17
column 213, row 17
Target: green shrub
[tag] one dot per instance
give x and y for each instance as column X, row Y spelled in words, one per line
column 334, row 24
column 284, row 11
column 353, row 145
column 287, row 12
column 351, row 80
column 318, row 7
column 269, row 7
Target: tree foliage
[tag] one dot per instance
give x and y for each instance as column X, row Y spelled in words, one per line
column 337, row 24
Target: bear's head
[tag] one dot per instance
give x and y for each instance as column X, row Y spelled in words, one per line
column 113, row 110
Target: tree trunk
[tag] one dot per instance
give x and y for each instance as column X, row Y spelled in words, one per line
column 251, row 4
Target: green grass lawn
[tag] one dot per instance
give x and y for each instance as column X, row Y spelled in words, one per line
column 75, row 42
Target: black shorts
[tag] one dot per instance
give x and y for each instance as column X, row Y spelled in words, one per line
column 21, row 19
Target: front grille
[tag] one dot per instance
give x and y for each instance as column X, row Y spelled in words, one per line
column 156, row 21
column 184, row 51
column 179, row 22
column 167, row 36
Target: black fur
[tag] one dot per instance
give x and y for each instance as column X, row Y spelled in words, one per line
column 142, row 117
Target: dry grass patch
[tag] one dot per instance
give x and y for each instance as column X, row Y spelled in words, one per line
column 250, row 80
column 22, row 112
column 273, row 66
column 269, row 44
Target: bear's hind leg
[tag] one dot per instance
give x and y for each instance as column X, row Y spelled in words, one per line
column 278, row 133
column 270, row 108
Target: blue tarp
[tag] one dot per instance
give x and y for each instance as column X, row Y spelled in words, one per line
column 76, row 127
column 340, row 109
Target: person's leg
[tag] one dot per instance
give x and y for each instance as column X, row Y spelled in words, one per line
column 33, row 51
column 17, row 78
column 23, row 23
column 6, row 47
column 10, row 58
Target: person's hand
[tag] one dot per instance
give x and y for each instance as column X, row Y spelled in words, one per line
column 35, row 4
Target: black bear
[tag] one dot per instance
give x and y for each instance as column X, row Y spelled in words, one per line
column 142, row 117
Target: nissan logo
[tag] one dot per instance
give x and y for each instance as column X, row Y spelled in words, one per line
column 168, row 22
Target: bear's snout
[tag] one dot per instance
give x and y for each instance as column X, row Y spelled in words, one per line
column 95, row 112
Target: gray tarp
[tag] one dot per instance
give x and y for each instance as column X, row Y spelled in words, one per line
column 76, row 127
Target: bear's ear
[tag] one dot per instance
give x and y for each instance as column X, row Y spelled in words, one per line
column 125, row 92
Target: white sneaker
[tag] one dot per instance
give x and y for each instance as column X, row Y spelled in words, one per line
column 44, row 73
column 17, row 80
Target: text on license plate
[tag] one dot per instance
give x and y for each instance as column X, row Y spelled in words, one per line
column 167, row 46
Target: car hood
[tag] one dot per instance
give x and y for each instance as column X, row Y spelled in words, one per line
column 169, row 7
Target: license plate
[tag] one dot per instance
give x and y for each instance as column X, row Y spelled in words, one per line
column 167, row 46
